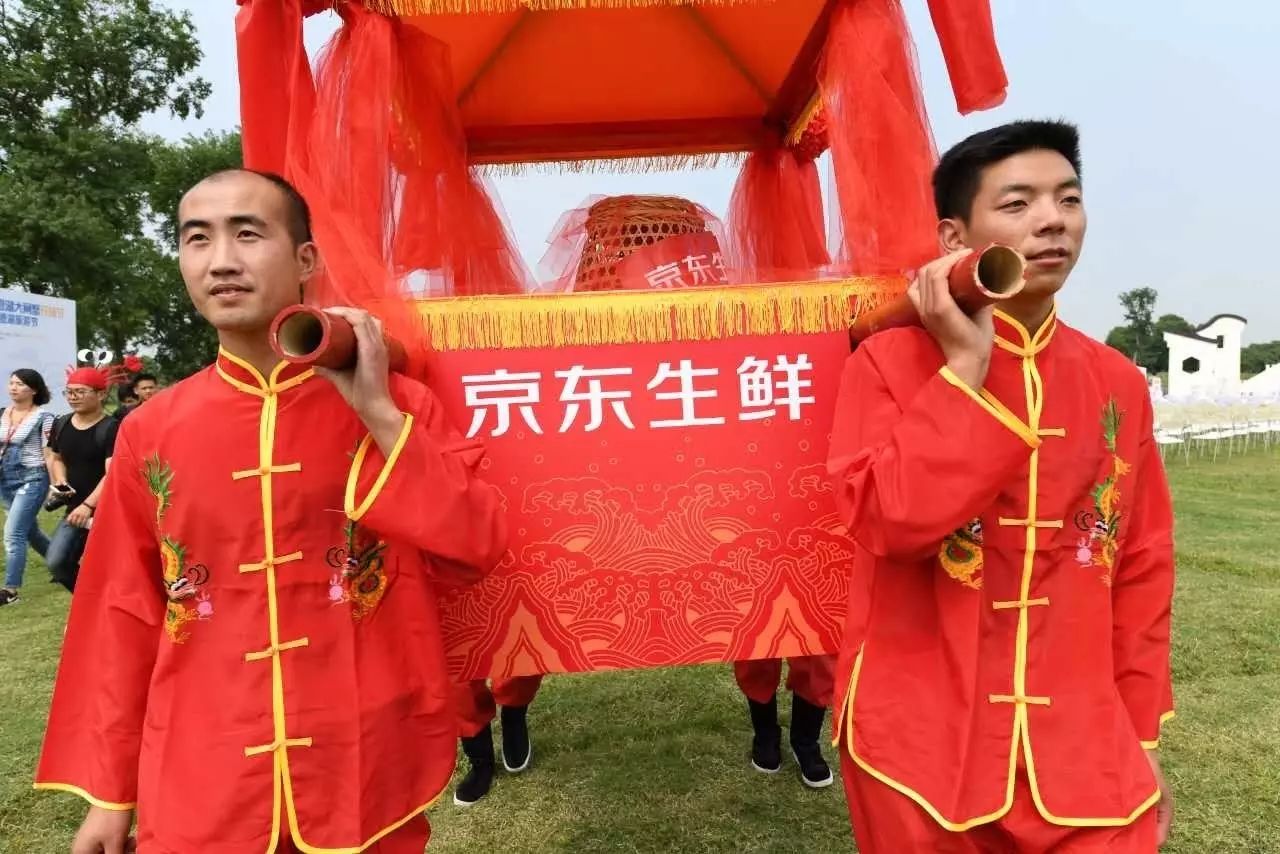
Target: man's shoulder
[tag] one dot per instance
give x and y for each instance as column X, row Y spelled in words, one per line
column 1117, row 369
column 903, row 355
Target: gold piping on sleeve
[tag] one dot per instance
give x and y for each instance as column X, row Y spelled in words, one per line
column 356, row 513
column 76, row 790
column 1164, row 719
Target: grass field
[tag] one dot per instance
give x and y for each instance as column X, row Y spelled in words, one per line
column 655, row 761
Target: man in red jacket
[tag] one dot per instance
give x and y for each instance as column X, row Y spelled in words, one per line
column 254, row 659
column 1005, row 674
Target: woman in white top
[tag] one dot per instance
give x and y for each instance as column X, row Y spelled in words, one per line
column 24, row 474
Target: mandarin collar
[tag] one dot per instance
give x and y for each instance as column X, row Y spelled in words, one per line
column 1015, row 338
column 244, row 377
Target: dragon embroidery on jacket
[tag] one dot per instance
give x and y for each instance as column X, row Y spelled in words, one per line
column 359, row 577
column 1100, row 526
column 183, row 583
column 961, row 555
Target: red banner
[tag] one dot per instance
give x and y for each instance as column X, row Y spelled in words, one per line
column 668, row 501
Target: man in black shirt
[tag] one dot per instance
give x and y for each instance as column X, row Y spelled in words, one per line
column 82, row 443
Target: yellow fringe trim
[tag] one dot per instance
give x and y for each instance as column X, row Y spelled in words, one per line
column 484, row 7
column 806, row 116
column 649, row 317
column 617, row 165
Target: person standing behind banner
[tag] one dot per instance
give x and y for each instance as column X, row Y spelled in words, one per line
column 477, row 705
column 810, row 681
column 81, row 445
column 596, row 248
column 664, row 243
column 24, row 474
column 1005, row 685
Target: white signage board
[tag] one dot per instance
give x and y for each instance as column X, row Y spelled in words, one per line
column 38, row 332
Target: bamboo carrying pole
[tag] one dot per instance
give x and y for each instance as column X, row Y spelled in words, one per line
column 980, row 279
column 305, row 335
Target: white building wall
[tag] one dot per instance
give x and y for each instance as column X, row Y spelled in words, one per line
column 1264, row 386
column 1218, row 358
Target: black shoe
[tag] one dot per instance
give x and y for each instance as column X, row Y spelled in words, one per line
column 766, row 744
column 517, row 751
column 806, row 729
column 7, row 596
column 479, row 751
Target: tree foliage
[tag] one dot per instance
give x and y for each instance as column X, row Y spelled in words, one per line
column 1256, row 358
column 76, row 174
column 184, row 341
column 1141, row 338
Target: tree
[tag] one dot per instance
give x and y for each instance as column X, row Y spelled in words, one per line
column 76, row 76
column 1139, row 304
column 184, row 341
column 1141, row 339
column 1174, row 323
column 1124, row 339
column 1256, row 358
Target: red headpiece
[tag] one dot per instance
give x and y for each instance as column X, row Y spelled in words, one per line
column 95, row 378
column 102, row 374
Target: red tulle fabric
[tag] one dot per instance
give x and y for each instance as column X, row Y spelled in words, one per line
column 558, row 269
column 277, row 95
column 376, row 147
column 775, row 223
column 968, row 41
column 881, row 147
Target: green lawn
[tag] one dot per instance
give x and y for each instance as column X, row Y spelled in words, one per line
column 655, row 761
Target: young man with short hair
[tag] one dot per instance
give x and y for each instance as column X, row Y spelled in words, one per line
column 254, row 658
column 1005, row 672
column 139, row 390
column 145, row 387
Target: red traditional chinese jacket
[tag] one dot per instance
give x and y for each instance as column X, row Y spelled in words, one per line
column 254, row 650
column 1010, row 606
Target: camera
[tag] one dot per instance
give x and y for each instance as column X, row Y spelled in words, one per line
column 61, row 495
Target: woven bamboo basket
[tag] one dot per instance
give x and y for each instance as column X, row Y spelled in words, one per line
column 620, row 225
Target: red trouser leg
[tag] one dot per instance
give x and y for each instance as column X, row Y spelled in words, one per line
column 516, row 692
column 475, row 705
column 410, row 838
column 885, row 821
column 812, row 678
column 758, row 679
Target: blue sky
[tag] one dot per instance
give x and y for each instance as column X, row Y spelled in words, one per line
column 1179, row 115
